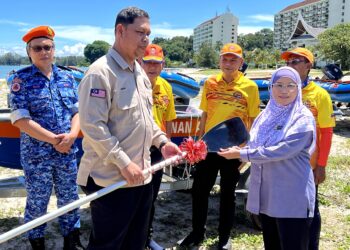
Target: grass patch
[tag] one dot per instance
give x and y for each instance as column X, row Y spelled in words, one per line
column 209, row 71
column 248, row 239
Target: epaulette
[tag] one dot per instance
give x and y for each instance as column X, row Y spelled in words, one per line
column 23, row 69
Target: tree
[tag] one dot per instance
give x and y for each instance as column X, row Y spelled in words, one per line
column 207, row 57
column 95, row 50
column 335, row 44
column 262, row 39
column 11, row 58
column 177, row 50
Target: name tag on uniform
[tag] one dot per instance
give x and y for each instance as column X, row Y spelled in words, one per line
column 100, row 93
column 36, row 86
column 65, row 85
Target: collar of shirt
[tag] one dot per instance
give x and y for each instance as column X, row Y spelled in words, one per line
column 220, row 79
column 310, row 86
column 119, row 59
column 35, row 70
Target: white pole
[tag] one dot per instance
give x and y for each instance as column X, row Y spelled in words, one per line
column 75, row 204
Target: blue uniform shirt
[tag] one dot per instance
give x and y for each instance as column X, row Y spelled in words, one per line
column 50, row 102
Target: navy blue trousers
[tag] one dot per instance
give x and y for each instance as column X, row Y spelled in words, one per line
column 120, row 218
column 285, row 233
column 315, row 228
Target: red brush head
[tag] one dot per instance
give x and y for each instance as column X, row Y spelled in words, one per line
column 196, row 150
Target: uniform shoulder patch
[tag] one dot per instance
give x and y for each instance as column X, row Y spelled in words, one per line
column 16, row 84
column 100, row 93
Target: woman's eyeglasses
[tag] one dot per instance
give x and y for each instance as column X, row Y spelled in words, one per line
column 289, row 87
column 40, row 48
column 295, row 61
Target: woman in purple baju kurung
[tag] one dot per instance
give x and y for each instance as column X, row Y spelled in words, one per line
column 282, row 186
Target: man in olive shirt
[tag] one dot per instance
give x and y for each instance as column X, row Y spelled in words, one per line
column 116, row 105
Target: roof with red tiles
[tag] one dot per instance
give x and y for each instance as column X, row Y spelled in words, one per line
column 300, row 4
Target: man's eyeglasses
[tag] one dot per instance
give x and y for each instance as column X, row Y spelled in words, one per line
column 40, row 48
column 295, row 61
column 289, row 87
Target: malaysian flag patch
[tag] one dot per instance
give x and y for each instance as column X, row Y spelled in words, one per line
column 101, row 93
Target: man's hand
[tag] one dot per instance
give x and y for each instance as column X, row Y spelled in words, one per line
column 133, row 174
column 170, row 149
column 319, row 174
column 66, row 142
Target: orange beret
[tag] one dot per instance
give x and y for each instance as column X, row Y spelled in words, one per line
column 40, row 31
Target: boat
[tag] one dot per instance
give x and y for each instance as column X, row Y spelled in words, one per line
column 183, row 85
column 339, row 90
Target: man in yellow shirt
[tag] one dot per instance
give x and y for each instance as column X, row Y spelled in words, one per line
column 319, row 102
column 227, row 95
column 163, row 110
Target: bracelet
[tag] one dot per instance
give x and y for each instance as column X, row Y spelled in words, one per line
column 162, row 145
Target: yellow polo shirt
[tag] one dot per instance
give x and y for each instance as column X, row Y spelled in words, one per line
column 163, row 108
column 222, row 100
column 319, row 103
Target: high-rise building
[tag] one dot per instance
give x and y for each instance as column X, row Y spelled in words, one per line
column 299, row 24
column 221, row 28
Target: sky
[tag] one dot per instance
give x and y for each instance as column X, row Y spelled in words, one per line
column 80, row 22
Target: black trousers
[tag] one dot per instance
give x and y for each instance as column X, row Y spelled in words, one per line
column 120, row 218
column 315, row 228
column 204, row 178
column 156, row 156
column 285, row 233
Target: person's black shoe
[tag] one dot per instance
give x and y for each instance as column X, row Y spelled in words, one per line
column 37, row 243
column 191, row 240
column 72, row 241
column 152, row 245
column 225, row 245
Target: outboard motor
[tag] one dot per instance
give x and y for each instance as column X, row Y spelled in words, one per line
column 332, row 72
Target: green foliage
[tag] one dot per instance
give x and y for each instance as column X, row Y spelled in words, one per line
column 262, row 39
column 335, row 44
column 178, row 50
column 207, row 56
column 258, row 57
column 71, row 61
column 95, row 50
column 13, row 59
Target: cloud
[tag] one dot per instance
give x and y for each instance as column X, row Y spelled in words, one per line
column 262, row 18
column 20, row 50
column 251, row 29
column 88, row 34
column 74, row 50
column 85, row 33
column 169, row 33
column 14, row 23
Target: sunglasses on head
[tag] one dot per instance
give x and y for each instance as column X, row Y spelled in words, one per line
column 39, row 48
column 295, row 61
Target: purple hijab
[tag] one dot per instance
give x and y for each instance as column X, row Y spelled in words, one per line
column 276, row 122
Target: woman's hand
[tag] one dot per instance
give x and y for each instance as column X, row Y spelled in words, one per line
column 230, row 153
